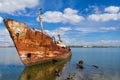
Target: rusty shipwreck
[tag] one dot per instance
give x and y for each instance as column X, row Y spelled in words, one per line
column 35, row 46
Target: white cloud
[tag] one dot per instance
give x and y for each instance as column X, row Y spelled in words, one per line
column 94, row 8
column 52, row 17
column 5, row 39
column 72, row 41
column 113, row 13
column 112, row 9
column 68, row 16
column 70, row 11
column 108, row 42
column 4, row 32
column 1, row 19
column 65, row 28
column 86, row 29
column 104, row 17
column 60, row 30
column 108, row 28
column 76, row 42
column 10, row 6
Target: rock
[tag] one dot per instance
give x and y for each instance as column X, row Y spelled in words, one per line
column 80, row 62
column 80, row 66
column 57, row 72
column 95, row 66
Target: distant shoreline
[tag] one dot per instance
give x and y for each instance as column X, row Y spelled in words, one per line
column 7, row 46
column 75, row 46
column 94, row 46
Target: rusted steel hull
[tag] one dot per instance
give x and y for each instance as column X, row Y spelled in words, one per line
column 33, row 46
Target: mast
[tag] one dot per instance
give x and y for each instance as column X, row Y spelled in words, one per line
column 40, row 19
column 59, row 38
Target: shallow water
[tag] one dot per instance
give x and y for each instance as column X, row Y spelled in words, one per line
column 99, row 64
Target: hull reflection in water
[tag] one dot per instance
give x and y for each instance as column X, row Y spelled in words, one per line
column 45, row 71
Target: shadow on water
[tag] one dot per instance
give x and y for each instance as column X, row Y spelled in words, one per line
column 46, row 71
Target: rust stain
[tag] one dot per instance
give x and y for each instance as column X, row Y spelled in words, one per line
column 34, row 46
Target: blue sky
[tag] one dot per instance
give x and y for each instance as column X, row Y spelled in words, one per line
column 80, row 22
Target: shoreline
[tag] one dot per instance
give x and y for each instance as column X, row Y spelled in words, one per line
column 94, row 46
column 74, row 46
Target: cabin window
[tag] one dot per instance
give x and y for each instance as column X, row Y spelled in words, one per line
column 28, row 55
column 17, row 34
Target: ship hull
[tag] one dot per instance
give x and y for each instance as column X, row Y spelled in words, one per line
column 33, row 46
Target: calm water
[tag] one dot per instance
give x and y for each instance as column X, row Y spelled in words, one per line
column 99, row 64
